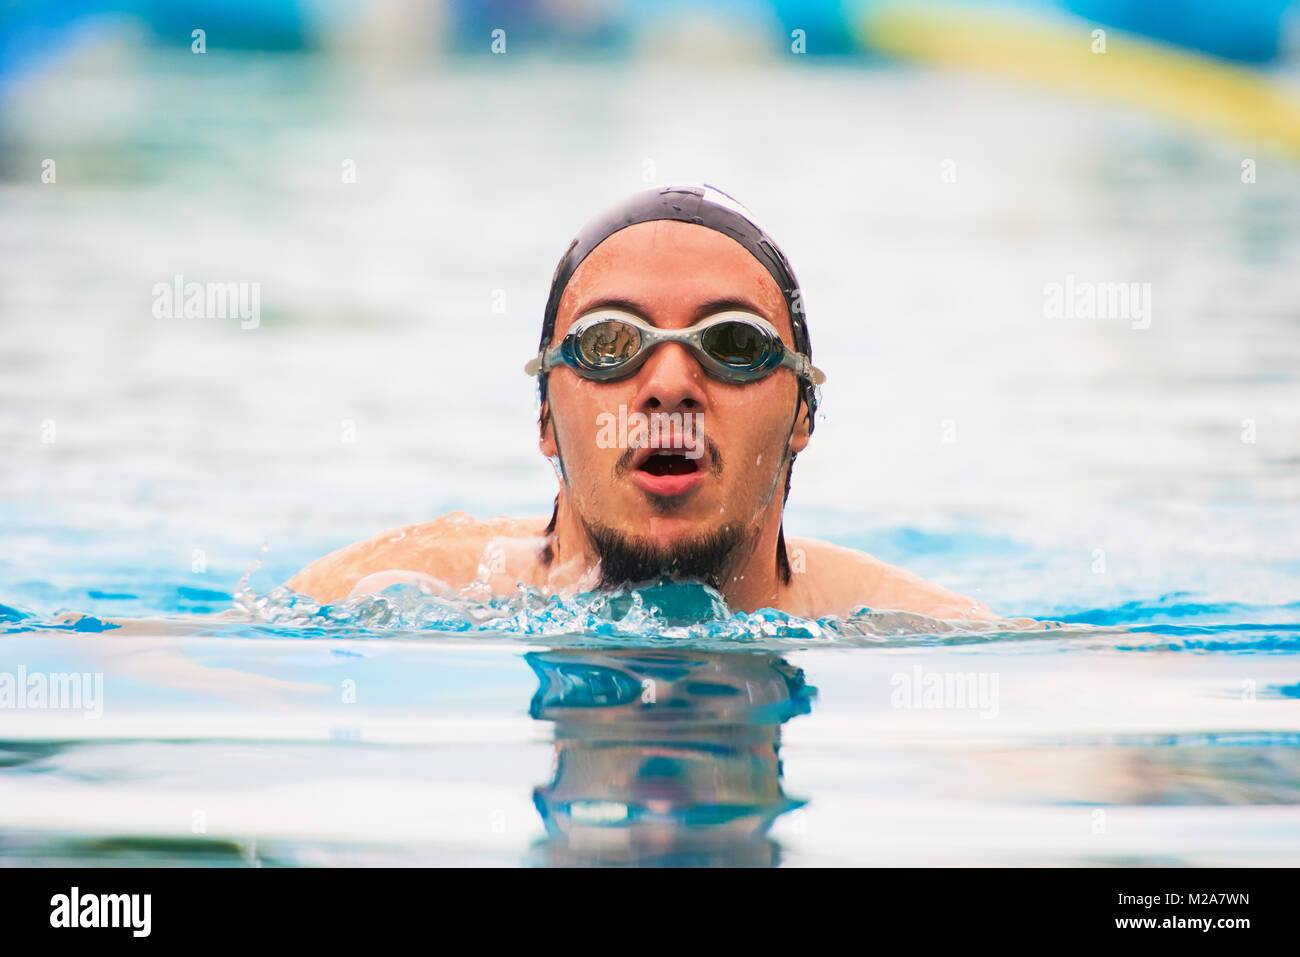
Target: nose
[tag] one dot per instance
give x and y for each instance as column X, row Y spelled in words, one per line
column 670, row 381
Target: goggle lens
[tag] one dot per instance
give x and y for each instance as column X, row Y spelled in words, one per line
column 609, row 343
column 736, row 344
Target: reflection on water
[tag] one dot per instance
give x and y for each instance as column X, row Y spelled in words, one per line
column 500, row 753
column 666, row 758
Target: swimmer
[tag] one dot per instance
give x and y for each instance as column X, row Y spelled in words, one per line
column 677, row 388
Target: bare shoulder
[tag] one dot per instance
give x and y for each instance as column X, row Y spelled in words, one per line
column 449, row 549
column 842, row 580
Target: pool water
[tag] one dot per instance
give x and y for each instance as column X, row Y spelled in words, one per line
column 1134, row 484
column 247, row 743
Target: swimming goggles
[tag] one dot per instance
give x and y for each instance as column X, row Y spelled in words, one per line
column 734, row 346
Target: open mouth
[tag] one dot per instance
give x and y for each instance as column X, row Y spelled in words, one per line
column 667, row 472
column 669, row 462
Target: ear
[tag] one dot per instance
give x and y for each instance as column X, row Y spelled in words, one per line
column 802, row 426
column 546, row 432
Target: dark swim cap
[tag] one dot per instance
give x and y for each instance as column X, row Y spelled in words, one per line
column 691, row 203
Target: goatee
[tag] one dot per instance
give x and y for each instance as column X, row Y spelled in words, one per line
column 627, row 560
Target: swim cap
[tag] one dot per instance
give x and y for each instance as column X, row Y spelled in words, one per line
column 696, row 203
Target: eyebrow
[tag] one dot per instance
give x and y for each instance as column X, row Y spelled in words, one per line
column 703, row 309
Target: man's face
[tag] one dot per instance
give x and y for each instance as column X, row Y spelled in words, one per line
column 672, row 274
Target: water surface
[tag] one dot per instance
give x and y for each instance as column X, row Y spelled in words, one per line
column 1137, row 485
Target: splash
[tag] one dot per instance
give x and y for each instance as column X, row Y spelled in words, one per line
column 694, row 614
column 678, row 612
column 686, row 614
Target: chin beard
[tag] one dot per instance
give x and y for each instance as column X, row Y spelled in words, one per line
column 627, row 560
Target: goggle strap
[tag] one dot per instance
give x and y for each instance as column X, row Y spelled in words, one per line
column 544, row 361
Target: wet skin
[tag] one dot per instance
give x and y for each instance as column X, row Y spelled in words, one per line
column 671, row 274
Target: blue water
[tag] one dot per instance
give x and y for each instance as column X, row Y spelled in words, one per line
column 676, row 613
column 1127, row 496
column 651, row 728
